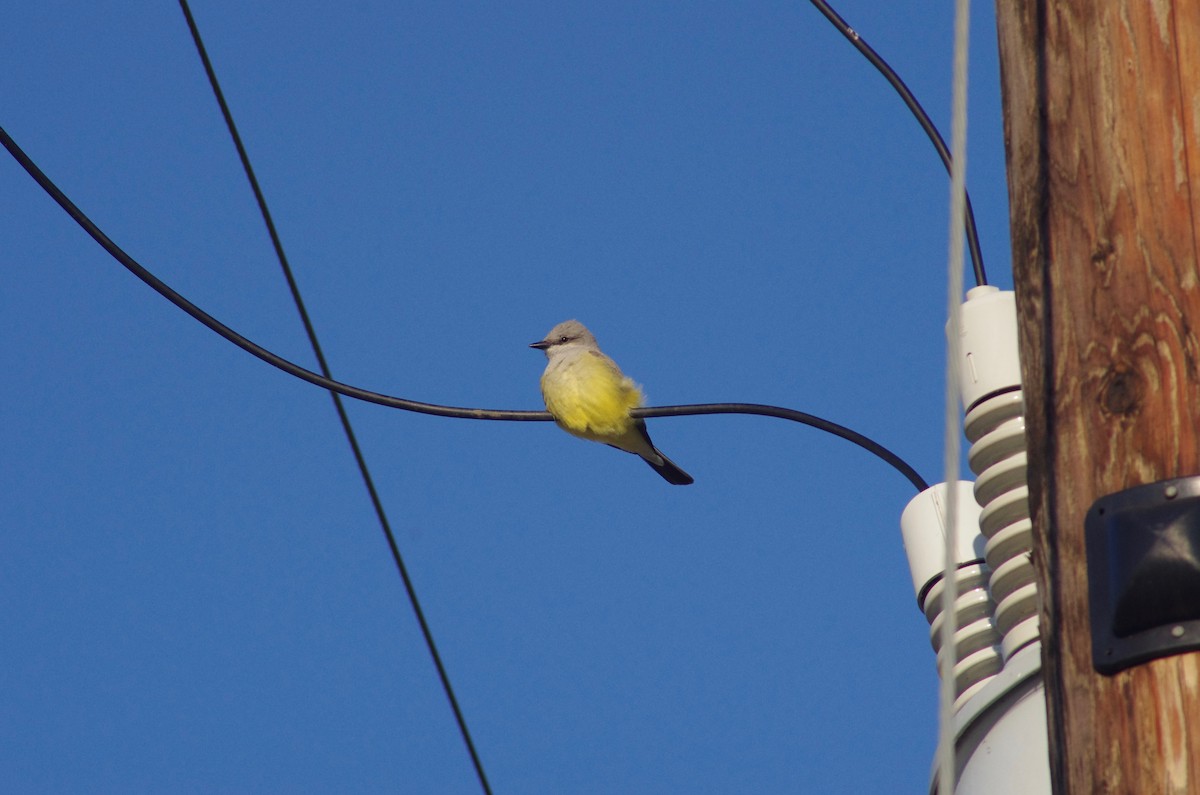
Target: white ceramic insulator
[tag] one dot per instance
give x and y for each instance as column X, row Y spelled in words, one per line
column 976, row 641
column 990, row 356
column 923, row 525
column 990, row 380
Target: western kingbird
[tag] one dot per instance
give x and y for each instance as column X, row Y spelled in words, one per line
column 591, row 398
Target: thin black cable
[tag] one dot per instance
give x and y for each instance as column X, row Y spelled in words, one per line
column 411, row 405
column 810, row 420
column 343, row 416
column 229, row 334
column 922, row 118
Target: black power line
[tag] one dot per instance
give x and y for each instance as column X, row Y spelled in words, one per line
column 782, row 413
column 358, row 393
column 922, row 118
column 343, row 417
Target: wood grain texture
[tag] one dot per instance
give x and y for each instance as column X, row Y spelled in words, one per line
column 1102, row 130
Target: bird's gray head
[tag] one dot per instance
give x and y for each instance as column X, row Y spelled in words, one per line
column 566, row 335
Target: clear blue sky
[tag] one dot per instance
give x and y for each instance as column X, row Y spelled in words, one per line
column 196, row 595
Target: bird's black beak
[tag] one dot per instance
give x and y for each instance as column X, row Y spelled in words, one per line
column 541, row 345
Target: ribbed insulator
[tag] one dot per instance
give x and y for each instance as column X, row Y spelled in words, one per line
column 995, row 428
column 976, row 640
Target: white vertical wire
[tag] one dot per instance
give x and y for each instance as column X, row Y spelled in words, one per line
column 953, row 443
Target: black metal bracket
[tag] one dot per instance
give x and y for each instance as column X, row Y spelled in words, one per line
column 1143, row 558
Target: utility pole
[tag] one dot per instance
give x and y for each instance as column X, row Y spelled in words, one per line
column 1102, row 129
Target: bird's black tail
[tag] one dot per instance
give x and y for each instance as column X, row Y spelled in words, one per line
column 667, row 468
column 670, row 471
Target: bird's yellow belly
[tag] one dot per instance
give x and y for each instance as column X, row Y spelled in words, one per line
column 589, row 400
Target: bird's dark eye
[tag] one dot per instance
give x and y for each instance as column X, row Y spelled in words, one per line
column 563, row 338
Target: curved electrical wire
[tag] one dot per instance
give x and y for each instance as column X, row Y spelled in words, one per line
column 810, row 420
column 922, row 118
column 159, row 286
column 343, row 416
column 412, row 405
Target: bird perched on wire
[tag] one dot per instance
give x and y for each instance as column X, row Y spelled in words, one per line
column 590, row 397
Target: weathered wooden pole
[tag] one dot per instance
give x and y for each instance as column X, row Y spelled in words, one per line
column 1102, row 128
